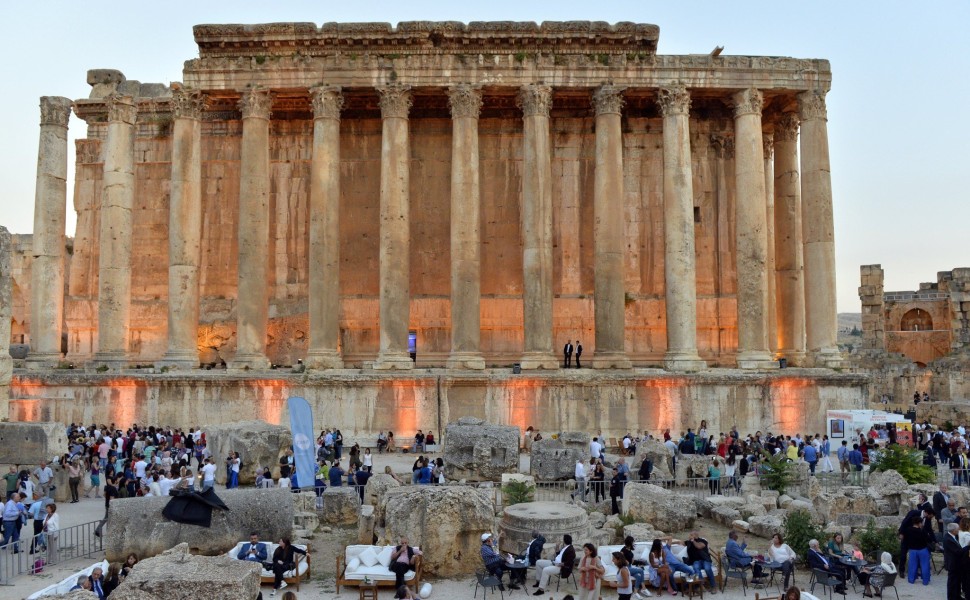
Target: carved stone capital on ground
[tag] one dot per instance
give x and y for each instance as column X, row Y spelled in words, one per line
column 674, row 100
column 723, row 145
column 55, row 110
column 608, row 99
column 811, row 105
column 121, row 108
column 256, row 104
column 535, row 100
column 327, row 101
column 786, row 129
column 465, row 101
column 395, row 101
column 187, row 104
column 748, row 102
column 768, row 142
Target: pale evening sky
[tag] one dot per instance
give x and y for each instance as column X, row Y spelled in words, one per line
column 898, row 130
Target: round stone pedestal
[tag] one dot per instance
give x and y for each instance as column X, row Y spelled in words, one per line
column 551, row 519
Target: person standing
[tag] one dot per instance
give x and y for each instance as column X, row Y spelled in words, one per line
column 591, row 571
column 50, row 527
column 616, row 490
column 955, row 561
column 11, row 522
column 37, row 513
column 580, row 475
column 13, row 481
column 843, row 456
column 579, row 352
column 940, row 501
column 917, row 543
column 567, row 352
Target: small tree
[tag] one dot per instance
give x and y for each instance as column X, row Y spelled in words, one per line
column 777, row 472
column 874, row 541
column 517, row 492
column 799, row 530
column 908, row 462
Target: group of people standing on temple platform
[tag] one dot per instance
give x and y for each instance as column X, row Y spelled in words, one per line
column 568, row 351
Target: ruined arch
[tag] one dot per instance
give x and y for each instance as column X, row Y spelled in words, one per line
column 916, row 319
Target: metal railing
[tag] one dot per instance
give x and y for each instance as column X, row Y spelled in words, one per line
column 69, row 543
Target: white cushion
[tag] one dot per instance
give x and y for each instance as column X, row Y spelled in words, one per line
column 353, row 565
column 368, row 557
column 384, row 558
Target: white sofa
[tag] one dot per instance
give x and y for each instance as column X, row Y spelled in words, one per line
column 65, row 585
column 301, row 571
column 358, row 563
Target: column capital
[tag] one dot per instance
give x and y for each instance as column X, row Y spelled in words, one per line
column 327, row 101
column 121, row 108
column 786, row 129
column 465, row 101
column 55, row 110
column 188, row 104
column 395, row 101
column 748, row 102
column 535, row 100
column 674, row 100
column 768, row 144
column 723, row 145
column 256, row 103
column 608, row 99
column 811, row 106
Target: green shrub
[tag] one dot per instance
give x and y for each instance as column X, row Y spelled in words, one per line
column 908, row 462
column 777, row 472
column 517, row 492
column 873, row 542
column 799, row 529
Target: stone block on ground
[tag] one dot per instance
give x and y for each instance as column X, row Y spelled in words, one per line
column 551, row 519
column 376, row 486
column 642, row 532
column 365, row 525
column 258, row 443
column 341, row 506
column 75, row 595
column 653, row 504
column 26, row 444
column 476, row 450
column 691, row 466
column 766, row 526
column 656, row 452
column 887, row 483
column 553, row 459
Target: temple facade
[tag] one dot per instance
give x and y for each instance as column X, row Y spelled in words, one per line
column 442, row 195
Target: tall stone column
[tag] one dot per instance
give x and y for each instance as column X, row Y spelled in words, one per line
column 608, row 234
column 50, row 219
column 466, row 103
column 818, row 230
column 395, row 287
column 185, row 230
column 6, row 315
column 769, row 154
column 536, row 222
column 680, row 272
column 252, row 302
column 751, row 233
column 790, row 288
column 114, row 261
column 325, row 230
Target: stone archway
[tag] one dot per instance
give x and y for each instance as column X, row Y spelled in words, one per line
column 916, row 319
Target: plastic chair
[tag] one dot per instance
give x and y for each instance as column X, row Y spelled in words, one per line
column 487, row 581
column 827, row 581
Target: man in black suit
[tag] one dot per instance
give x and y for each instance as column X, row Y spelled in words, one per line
column 956, row 562
column 940, row 500
column 817, row 560
column 579, row 352
column 567, row 353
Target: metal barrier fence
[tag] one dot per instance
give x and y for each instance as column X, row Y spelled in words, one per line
column 76, row 541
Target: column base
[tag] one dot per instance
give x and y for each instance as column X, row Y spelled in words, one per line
column 532, row 361
column 795, row 358
column 825, row 358
column 114, row 361
column 683, row 361
column 610, row 360
column 42, row 362
column 466, row 360
column 323, row 359
column 759, row 360
column 249, row 362
column 183, row 360
column 393, row 361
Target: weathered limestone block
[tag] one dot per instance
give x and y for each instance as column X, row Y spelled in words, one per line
column 104, row 82
column 258, row 443
column 642, row 532
column 365, row 526
column 29, row 443
column 75, row 595
column 177, row 574
column 740, row 525
column 656, row 452
column 552, row 519
column 849, row 500
column 707, row 506
column 752, row 510
column 556, row 458
column 341, row 506
column 690, row 466
column 137, row 525
column 655, row 505
column 446, row 522
column 476, row 450
column 766, row 526
column 887, row 483
column 375, row 489
column 725, row 515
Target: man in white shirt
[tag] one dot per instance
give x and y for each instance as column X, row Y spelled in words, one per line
column 208, row 475
column 595, row 448
column 140, row 467
column 580, row 475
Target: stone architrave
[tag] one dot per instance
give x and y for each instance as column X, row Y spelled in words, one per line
column 769, row 151
column 6, row 310
column 608, row 239
column 466, row 103
column 185, row 230
column 252, row 308
column 114, row 260
column 324, row 273
column 50, row 218
column 395, row 287
column 477, row 450
column 536, row 222
column 790, row 288
column 680, row 272
column 818, row 231
column 177, row 573
column 751, row 233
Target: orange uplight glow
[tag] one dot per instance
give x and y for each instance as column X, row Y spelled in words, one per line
column 405, row 405
column 788, row 402
column 662, row 405
column 521, row 395
column 270, row 396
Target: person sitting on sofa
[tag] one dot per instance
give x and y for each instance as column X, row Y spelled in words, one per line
column 563, row 565
column 402, row 560
column 254, row 550
column 284, row 560
column 494, row 563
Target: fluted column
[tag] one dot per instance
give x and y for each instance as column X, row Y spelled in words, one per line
column 114, row 260
column 751, row 233
column 50, row 219
column 185, row 230
column 395, row 288
column 680, row 272
column 818, row 230
column 252, row 302
column 466, row 103
column 769, row 154
column 324, row 293
column 536, row 223
column 790, row 288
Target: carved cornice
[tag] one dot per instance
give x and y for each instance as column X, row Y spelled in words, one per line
column 674, row 100
column 395, row 101
column 786, row 129
column 55, row 110
column 535, row 100
column 723, row 145
column 187, row 104
column 121, row 108
column 327, row 101
column 748, row 102
column 256, row 104
column 465, row 101
column 768, row 144
column 608, row 99
column 811, row 105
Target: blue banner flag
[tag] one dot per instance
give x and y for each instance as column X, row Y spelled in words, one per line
column 304, row 450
